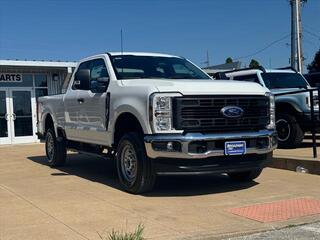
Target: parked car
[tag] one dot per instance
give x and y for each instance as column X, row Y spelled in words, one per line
column 293, row 114
column 158, row 114
column 313, row 79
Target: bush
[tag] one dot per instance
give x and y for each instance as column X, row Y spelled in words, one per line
column 116, row 235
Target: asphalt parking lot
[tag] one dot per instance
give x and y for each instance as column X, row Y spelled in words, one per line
column 82, row 200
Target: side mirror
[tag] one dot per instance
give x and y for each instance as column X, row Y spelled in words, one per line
column 82, row 79
column 99, row 85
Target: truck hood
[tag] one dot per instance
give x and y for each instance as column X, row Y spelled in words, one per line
column 288, row 90
column 283, row 90
column 200, row 87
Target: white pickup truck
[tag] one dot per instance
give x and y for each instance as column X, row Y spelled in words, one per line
column 158, row 114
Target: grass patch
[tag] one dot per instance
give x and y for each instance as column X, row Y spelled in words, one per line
column 116, row 235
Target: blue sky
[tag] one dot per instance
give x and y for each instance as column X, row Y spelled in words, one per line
column 72, row 29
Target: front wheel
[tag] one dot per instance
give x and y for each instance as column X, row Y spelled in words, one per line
column 245, row 176
column 290, row 134
column 55, row 150
column 135, row 169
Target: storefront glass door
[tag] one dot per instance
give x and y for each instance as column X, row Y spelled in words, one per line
column 19, row 114
column 5, row 136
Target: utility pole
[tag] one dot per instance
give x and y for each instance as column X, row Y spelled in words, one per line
column 296, row 35
column 300, row 34
column 293, row 39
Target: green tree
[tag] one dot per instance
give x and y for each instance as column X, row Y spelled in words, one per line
column 314, row 66
column 254, row 64
column 229, row 60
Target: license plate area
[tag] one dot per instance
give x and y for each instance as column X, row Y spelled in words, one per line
column 235, row 148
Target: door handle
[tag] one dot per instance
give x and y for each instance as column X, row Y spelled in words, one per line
column 80, row 100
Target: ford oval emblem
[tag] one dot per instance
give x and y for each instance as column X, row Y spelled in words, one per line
column 232, row 112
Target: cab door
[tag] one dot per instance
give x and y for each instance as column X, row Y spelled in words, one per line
column 93, row 107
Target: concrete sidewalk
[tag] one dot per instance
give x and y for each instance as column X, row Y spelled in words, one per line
column 82, row 199
column 302, row 156
column 302, row 232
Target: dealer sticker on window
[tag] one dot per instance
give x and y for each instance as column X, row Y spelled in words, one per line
column 235, row 148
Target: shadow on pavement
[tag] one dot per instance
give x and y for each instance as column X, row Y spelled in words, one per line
column 104, row 171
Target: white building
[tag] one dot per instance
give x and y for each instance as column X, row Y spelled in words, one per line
column 21, row 82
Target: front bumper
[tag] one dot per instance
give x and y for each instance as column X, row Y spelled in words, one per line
column 200, row 146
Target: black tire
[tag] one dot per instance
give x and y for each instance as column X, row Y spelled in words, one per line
column 290, row 134
column 245, row 176
column 56, row 150
column 135, row 169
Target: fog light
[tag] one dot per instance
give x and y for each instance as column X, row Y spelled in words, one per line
column 170, row 146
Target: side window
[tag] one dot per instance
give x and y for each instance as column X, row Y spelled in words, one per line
column 84, row 65
column 247, row 78
column 98, row 69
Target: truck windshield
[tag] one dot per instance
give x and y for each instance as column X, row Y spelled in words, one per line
column 132, row 67
column 284, row 80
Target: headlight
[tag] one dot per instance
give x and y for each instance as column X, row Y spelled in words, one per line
column 161, row 111
column 272, row 111
column 315, row 101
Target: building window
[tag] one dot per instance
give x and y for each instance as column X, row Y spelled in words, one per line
column 40, row 80
column 41, row 85
column 41, row 92
column 27, row 80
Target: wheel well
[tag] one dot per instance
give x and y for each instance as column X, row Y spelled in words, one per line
column 48, row 123
column 286, row 108
column 125, row 123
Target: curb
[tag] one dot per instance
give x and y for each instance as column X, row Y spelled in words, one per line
column 291, row 164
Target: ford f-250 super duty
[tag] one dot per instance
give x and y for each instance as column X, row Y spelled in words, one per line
column 293, row 111
column 158, row 114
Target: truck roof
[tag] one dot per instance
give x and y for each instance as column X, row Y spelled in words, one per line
column 253, row 71
column 142, row 54
column 128, row 53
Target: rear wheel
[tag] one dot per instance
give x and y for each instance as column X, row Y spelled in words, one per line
column 290, row 134
column 55, row 149
column 135, row 169
column 245, row 176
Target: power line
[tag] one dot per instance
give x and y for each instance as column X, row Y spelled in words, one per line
column 312, row 34
column 311, row 28
column 310, row 42
column 263, row 49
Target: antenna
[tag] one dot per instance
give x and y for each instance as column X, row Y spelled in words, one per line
column 121, row 39
column 207, row 62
